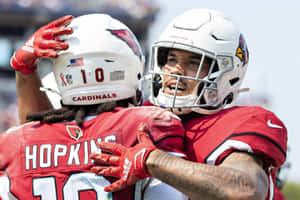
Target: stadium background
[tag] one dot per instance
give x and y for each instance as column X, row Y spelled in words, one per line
column 270, row 27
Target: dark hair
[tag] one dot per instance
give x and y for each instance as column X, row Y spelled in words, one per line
column 77, row 113
column 162, row 56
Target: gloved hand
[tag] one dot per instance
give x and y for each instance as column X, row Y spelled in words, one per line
column 127, row 163
column 42, row 44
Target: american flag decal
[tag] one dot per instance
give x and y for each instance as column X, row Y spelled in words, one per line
column 130, row 40
column 76, row 62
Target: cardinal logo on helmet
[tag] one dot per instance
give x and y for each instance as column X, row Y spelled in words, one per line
column 242, row 51
column 74, row 131
column 129, row 38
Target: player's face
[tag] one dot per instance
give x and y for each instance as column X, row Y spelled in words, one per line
column 184, row 63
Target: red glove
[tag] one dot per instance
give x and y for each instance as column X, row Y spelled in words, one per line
column 42, row 44
column 127, row 163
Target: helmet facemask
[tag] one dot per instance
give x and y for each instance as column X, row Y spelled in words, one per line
column 204, row 93
column 212, row 92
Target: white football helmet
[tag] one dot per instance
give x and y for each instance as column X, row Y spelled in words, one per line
column 103, row 63
column 214, row 37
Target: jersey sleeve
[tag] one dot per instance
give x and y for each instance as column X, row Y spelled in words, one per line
column 167, row 132
column 266, row 136
column 9, row 144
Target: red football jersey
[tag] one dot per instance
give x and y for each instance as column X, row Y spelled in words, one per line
column 210, row 138
column 51, row 161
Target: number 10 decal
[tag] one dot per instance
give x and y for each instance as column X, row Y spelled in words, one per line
column 99, row 75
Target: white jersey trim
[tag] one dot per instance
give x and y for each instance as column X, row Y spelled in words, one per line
column 177, row 154
column 229, row 144
column 5, row 189
column 271, row 187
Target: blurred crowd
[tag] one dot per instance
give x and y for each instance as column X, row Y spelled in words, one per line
column 134, row 8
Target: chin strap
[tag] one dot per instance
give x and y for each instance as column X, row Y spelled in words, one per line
column 243, row 90
column 44, row 89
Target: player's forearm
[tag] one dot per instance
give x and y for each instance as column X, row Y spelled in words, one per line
column 199, row 181
column 30, row 98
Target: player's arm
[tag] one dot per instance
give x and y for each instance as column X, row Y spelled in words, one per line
column 30, row 98
column 240, row 176
column 42, row 44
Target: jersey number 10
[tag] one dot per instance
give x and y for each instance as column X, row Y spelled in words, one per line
column 46, row 187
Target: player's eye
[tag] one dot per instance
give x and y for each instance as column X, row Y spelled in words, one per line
column 171, row 61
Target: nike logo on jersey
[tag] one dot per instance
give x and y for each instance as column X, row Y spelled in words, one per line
column 273, row 125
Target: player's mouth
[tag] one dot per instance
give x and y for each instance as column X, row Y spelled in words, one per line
column 170, row 88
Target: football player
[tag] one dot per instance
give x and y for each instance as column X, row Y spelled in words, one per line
column 197, row 68
column 98, row 73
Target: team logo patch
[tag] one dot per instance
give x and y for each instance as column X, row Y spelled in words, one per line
column 66, row 79
column 242, row 51
column 62, row 78
column 130, row 40
column 74, row 131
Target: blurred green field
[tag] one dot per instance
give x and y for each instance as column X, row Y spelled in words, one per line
column 291, row 191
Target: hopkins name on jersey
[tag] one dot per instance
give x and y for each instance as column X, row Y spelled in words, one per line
column 51, row 161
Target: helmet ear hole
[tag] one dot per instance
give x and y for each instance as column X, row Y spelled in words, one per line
column 139, row 76
column 139, row 96
column 234, row 81
column 156, row 84
column 228, row 99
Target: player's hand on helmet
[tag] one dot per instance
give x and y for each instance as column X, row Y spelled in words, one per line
column 126, row 163
column 44, row 43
